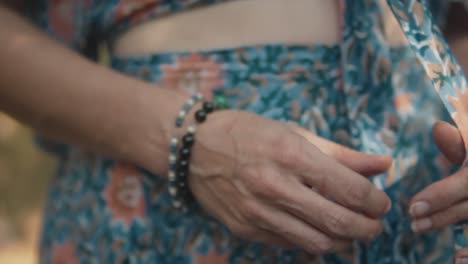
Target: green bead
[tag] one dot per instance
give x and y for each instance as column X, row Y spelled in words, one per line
column 220, row 102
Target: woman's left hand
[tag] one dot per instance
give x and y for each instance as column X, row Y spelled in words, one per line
column 445, row 202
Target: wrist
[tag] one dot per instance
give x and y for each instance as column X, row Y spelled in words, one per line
column 155, row 114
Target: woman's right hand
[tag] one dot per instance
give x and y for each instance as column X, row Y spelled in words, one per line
column 280, row 184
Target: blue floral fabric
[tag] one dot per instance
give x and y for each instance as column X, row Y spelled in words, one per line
column 361, row 93
column 441, row 67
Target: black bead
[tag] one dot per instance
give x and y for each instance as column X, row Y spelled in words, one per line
column 200, row 115
column 184, row 194
column 181, row 175
column 187, row 195
column 188, row 140
column 182, row 184
column 208, row 107
column 183, row 165
column 185, row 152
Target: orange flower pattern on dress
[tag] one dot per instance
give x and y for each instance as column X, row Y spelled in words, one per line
column 193, row 73
column 124, row 193
column 442, row 68
column 64, row 253
column 343, row 92
column 403, row 102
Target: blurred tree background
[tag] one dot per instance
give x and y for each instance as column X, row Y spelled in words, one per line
column 25, row 172
column 24, row 175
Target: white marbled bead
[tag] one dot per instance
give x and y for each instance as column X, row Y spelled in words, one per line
column 173, row 191
column 182, row 113
column 191, row 129
column 172, row 175
column 172, row 158
column 176, row 204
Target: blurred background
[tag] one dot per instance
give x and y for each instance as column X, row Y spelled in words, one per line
column 25, row 170
column 24, row 173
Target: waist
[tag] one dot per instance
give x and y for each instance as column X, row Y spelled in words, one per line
column 235, row 23
column 243, row 23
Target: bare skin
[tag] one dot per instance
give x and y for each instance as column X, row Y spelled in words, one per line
column 252, row 173
column 298, row 22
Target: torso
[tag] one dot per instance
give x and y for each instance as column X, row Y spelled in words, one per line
column 341, row 80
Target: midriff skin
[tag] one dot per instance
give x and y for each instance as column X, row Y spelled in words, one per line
column 244, row 22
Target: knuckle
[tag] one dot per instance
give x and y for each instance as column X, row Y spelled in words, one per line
column 319, row 182
column 464, row 179
column 322, row 245
column 336, row 223
column 263, row 183
column 441, row 196
column 255, row 178
column 340, row 151
column 251, row 211
column 280, row 142
column 374, row 231
column 439, row 220
column 457, row 216
column 287, row 156
column 240, row 230
column 287, row 151
column 358, row 196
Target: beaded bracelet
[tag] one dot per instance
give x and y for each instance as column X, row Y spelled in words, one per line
column 173, row 146
column 182, row 195
column 179, row 165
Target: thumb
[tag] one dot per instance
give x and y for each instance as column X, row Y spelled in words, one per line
column 362, row 163
column 449, row 141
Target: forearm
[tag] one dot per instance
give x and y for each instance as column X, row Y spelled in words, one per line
column 65, row 96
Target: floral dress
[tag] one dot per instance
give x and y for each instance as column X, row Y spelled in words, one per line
column 361, row 92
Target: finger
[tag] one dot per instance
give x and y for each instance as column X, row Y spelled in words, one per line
column 440, row 195
column 296, row 231
column 362, row 163
column 449, row 141
column 342, row 185
column 335, row 180
column 461, row 256
column 272, row 239
column 443, row 218
column 329, row 217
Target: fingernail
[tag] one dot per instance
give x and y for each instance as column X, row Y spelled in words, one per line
column 461, row 261
column 421, row 225
column 419, row 208
column 389, row 206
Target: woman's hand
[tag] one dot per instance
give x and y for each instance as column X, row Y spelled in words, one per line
column 444, row 202
column 277, row 183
